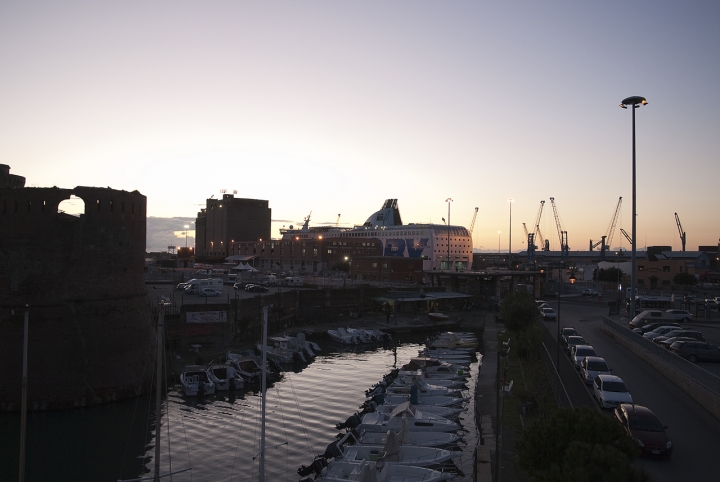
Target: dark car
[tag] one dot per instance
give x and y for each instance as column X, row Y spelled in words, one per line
column 256, row 289
column 684, row 333
column 668, row 343
column 645, row 428
column 651, row 326
column 695, row 350
column 240, row 285
column 572, row 341
column 564, row 333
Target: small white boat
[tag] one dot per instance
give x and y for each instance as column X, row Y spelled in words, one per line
column 419, row 439
column 392, row 452
column 451, row 383
column 397, row 399
column 422, row 388
column 406, row 414
column 453, row 341
column 224, row 376
column 433, row 366
column 247, row 366
column 281, row 352
column 451, row 413
column 343, row 337
column 341, row 471
column 195, row 381
column 438, row 317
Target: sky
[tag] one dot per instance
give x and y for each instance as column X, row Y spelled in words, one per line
column 332, row 107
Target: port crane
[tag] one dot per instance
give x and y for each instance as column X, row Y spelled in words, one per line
column 605, row 241
column 472, row 223
column 536, row 234
column 627, row 236
column 680, row 230
column 562, row 235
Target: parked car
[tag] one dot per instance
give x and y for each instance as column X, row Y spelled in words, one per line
column 683, row 316
column 579, row 352
column 667, row 343
column 565, row 332
column 591, row 367
column 548, row 314
column 610, row 391
column 711, row 304
column 182, row 286
column 685, row 333
column 659, row 331
column 201, row 272
column 543, row 306
column 539, row 303
column 209, row 292
column 651, row 326
column 240, row 285
column 589, row 292
column 572, row 341
column 643, row 426
column 695, row 350
column 256, row 289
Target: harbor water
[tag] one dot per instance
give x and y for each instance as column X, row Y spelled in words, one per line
column 218, row 436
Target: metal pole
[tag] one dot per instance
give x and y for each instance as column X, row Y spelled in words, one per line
column 557, row 357
column 510, row 241
column 158, row 389
column 264, row 394
column 633, row 279
column 497, row 419
column 23, row 407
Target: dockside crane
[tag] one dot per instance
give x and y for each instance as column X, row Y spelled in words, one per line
column 627, row 236
column 605, row 241
column 545, row 246
column 472, row 223
column 680, row 230
column 562, row 235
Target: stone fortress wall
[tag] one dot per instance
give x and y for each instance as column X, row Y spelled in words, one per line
column 91, row 336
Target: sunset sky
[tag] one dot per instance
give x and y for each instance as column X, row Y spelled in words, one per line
column 333, row 107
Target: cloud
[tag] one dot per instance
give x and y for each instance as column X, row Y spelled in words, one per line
column 164, row 232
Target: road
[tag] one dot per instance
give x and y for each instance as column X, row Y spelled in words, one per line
column 694, row 432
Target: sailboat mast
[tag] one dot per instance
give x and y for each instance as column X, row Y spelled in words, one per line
column 264, row 387
column 158, row 389
column 23, row 407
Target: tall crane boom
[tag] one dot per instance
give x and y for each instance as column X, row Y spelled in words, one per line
column 472, row 224
column 680, row 230
column 627, row 236
column 537, row 224
column 564, row 248
column 611, row 227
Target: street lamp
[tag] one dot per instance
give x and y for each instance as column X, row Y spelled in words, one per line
column 448, row 200
column 510, row 242
column 186, row 233
column 634, row 101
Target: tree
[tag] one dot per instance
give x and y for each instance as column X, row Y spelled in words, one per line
column 610, row 274
column 518, row 310
column 685, row 279
column 578, row 445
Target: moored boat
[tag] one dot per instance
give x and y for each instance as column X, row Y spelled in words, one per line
column 194, row 381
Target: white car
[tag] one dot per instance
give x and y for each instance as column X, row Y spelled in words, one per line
column 209, row 292
column 590, row 292
column 610, row 391
column 579, row 352
column 682, row 316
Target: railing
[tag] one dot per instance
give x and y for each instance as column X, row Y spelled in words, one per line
column 700, row 375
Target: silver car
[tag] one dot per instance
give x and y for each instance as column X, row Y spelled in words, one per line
column 579, row 352
column 591, row 367
column 610, row 391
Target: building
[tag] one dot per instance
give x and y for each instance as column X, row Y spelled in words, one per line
column 226, row 221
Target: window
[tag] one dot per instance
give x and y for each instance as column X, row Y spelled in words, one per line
column 374, row 265
column 641, row 268
column 666, row 269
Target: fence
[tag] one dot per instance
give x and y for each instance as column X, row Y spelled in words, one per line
column 701, row 376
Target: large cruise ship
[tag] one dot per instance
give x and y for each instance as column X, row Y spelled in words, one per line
column 439, row 246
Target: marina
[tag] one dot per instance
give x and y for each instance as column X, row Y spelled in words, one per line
column 218, row 435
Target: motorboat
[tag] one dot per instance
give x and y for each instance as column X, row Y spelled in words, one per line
column 392, row 452
column 453, row 341
column 434, row 367
column 365, row 335
column 224, row 376
column 441, row 401
column 438, row 316
column 280, row 351
column 304, row 343
column 451, row 413
column 343, row 337
column 405, row 413
column 341, row 471
column 451, row 383
column 194, row 380
column 247, row 366
column 298, row 343
column 422, row 388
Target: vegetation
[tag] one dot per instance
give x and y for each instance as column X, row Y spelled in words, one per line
column 518, row 310
column 579, row 445
column 685, row 279
column 610, row 274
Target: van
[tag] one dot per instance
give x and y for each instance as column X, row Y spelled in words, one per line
column 196, row 285
column 649, row 316
column 268, row 280
column 293, row 281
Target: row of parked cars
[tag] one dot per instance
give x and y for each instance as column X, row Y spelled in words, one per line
column 546, row 312
column 687, row 343
column 612, row 393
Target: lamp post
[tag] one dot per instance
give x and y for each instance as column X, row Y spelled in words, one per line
column 635, row 102
column 186, row 233
column 448, row 200
column 557, row 354
column 510, row 241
